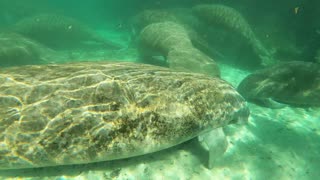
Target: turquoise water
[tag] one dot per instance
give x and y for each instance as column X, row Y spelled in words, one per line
column 240, row 37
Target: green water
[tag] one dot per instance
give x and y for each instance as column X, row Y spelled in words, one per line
column 240, row 37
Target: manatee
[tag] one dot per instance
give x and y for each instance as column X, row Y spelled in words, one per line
column 179, row 16
column 294, row 83
column 217, row 15
column 60, row 32
column 172, row 41
column 77, row 113
column 16, row 49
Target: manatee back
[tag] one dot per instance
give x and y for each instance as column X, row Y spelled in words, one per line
column 87, row 112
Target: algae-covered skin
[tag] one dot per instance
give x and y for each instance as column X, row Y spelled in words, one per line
column 58, row 31
column 87, row 112
column 18, row 50
column 295, row 83
column 217, row 15
column 172, row 41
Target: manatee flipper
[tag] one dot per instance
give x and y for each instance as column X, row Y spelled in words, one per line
column 215, row 143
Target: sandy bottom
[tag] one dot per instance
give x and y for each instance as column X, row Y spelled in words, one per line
column 274, row 144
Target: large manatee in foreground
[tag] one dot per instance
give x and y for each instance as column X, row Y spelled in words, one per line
column 87, row 112
column 295, row 83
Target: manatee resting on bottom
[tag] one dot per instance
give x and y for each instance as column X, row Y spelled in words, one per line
column 294, row 83
column 88, row 112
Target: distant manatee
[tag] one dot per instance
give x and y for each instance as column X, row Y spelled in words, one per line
column 228, row 18
column 172, row 41
column 294, row 83
column 58, row 31
column 16, row 49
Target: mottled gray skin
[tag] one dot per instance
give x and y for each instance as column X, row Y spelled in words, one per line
column 294, row 83
column 59, row 31
column 87, row 112
column 172, row 41
column 179, row 16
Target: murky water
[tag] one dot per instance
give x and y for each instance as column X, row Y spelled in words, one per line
column 221, row 39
